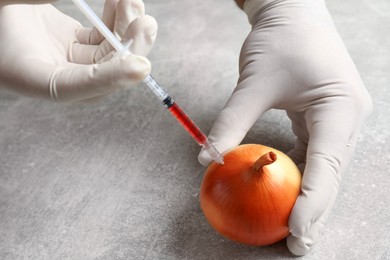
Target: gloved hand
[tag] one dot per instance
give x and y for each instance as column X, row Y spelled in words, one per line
column 49, row 54
column 294, row 60
column 9, row 2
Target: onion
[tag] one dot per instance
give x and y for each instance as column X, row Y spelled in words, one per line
column 249, row 199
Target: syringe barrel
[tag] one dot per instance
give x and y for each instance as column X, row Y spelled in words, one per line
column 193, row 130
column 155, row 87
column 185, row 121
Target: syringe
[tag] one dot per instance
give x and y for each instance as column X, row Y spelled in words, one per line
column 168, row 101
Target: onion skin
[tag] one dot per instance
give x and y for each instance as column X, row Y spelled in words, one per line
column 249, row 200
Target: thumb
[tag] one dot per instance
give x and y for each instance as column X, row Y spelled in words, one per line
column 300, row 246
column 80, row 82
column 320, row 186
column 328, row 154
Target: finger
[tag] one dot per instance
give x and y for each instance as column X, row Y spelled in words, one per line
column 319, row 187
column 108, row 57
column 329, row 152
column 80, row 82
column 298, row 153
column 92, row 36
column 89, row 54
column 142, row 31
column 261, row 86
column 126, row 12
column 298, row 122
column 91, row 45
column 300, row 246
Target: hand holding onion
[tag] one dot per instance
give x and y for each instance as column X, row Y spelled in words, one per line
column 316, row 82
column 249, row 199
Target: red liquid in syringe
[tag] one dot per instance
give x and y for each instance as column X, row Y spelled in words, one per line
column 187, row 123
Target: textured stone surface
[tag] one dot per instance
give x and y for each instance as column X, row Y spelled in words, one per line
column 120, row 179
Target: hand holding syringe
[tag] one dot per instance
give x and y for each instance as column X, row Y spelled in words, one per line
column 173, row 108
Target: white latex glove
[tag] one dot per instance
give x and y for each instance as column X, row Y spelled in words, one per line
column 46, row 53
column 9, row 2
column 294, row 59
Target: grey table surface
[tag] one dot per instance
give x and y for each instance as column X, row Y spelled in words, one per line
column 119, row 179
